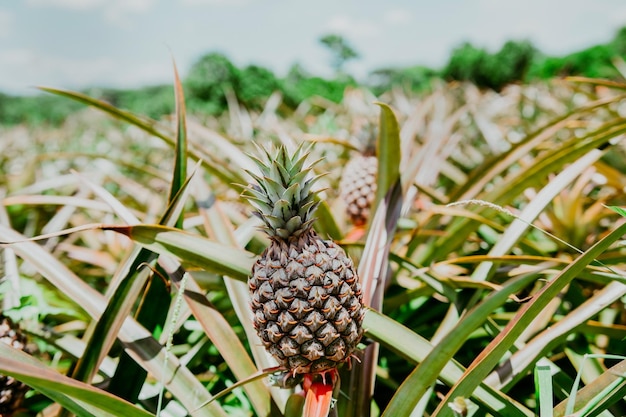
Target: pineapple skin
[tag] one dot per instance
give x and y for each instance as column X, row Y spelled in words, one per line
column 358, row 187
column 12, row 391
column 307, row 303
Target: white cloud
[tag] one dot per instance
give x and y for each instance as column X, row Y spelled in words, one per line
column 353, row 27
column 618, row 15
column 121, row 11
column 397, row 17
column 6, row 23
column 215, row 2
column 67, row 4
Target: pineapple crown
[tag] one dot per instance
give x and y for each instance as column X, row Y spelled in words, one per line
column 367, row 137
column 282, row 194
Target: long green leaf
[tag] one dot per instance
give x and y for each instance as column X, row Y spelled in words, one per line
column 428, row 371
column 490, row 356
column 139, row 342
column 217, row 168
column 543, row 388
column 194, row 249
column 151, row 313
column 180, row 150
column 120, row 303
column 610, row 386
column 217, row 328
column 388, row 152
column 415, row 348
column 80, row 398
column 213, row 257
column 373, row 268
column 507, row 375
column 544, row 164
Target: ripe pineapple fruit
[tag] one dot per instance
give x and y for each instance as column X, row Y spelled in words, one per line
column 306, row 298
column 12, row 391
column 357, row 186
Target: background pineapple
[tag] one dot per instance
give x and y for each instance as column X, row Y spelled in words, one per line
column 306, row 297
column 12, row 391
column 357, row 186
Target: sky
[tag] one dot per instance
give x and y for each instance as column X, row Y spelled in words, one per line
column 130, row 43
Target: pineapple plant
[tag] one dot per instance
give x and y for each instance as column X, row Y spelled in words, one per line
column 305, row 294
column 357, row 186
column 12, row 391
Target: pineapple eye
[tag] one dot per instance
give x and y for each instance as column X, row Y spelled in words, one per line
column 300, row 334
column 317, row 296
column 272, row 333
column 342, row 320
column 312, row 350
column 299, row 308
column 286, row 321
column 327, row 334
column 289, row 346
column 336, row 351
column 300, row 288
column 283, row 298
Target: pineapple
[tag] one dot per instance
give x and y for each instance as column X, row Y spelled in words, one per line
column 306, row 298
column 12, row 391
column 357, row 187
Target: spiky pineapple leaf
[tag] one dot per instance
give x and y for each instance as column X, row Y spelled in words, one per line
column 179, row 174
column 534, row 175
column 415, row 348
column 82, row 399
column 597, row 394
column 216, row 167
column 432, row 365
column 543, row 390
column 120, row 304
column 146, row 350
column 388, row 152
column 619, row 210
column 490, row 356
column 193, row 249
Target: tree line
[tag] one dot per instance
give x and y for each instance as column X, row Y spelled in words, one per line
column 213, row 79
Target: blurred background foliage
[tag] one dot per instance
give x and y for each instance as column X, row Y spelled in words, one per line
column 214, row 76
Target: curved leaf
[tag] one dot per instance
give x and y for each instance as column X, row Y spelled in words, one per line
column 490, row 356
column 78, row 397
column 197, row 250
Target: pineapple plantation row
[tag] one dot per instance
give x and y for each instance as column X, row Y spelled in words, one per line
column 207, row 266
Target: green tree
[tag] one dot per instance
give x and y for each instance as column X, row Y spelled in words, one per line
column 508, row 65
column 411, row 79
column 255, row 85
column 154, row 101
column 340, row 49
column 299, row 85
column 465, row 63
column 207, row 80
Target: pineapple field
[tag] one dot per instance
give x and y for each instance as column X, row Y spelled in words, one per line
column 455, row 252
